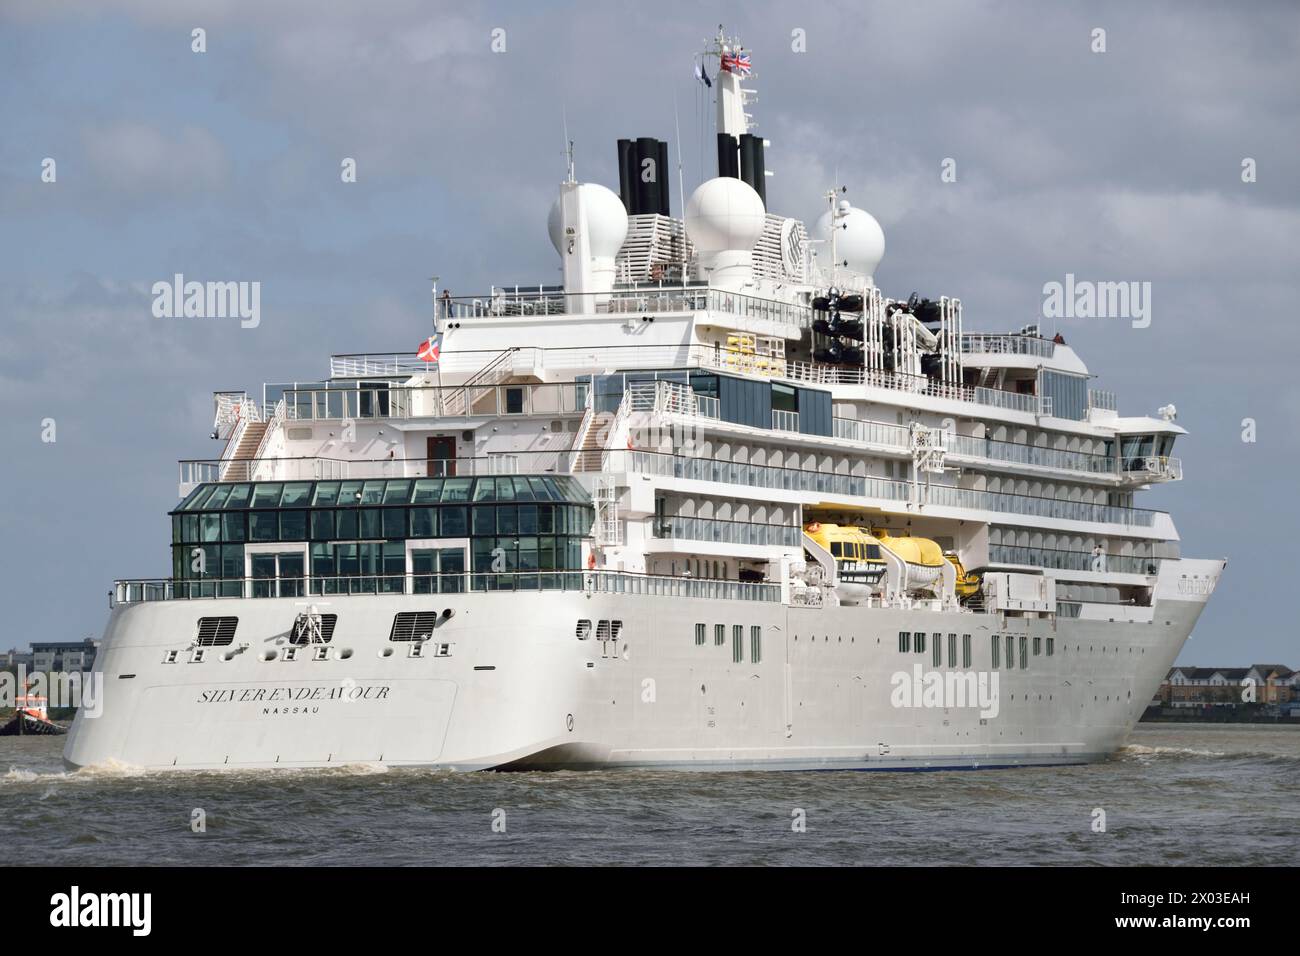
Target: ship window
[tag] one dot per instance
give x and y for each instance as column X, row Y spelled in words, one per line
column 837, row 549
column 1024, row 652
column 737, row 643
column 952, row 650
column 920, row 642
column 1038, row 646
column 196, row 655
column 755, row 644
column 171, row 656
column 936, row 656
column 719, row 635
column 413, row 626
column 602, row 631
column 267, row 495
column 1051, row 646
column 997, row 643
column 904, row 640
column 1011, row 651
column 216, row 631
column 700, row 634
column 965, row 649
column 873, row 552
column 321, row 654
column 295, row 493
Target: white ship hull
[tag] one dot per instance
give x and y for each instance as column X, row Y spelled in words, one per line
column 515, row 688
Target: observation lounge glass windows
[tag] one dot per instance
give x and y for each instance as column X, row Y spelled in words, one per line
column 440, row 570
column 520, row 527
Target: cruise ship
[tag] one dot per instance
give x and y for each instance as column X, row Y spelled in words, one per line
column 717, row 501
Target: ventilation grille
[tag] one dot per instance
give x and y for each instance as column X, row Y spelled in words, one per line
column 302, row 632
column 414, row 626
column 652, row 240
column 584, row 630
column 777, row 247
column 602, row 631
column 216, row 631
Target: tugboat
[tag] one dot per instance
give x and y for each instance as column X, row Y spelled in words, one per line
column 31, row 718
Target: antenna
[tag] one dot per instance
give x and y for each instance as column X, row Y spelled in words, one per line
column 568, row 145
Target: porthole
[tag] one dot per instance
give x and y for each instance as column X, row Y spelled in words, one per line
column 270, row 654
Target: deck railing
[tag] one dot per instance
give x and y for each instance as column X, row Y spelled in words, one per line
column 1072, row 560
column 133, row 591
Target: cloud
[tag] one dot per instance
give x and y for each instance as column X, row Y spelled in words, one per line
column 136, row 158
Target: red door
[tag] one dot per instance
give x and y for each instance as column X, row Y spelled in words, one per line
column 442, row 457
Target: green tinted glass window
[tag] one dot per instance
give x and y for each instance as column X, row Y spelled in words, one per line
column 427, row 491
column 267, row 494
column 397, row 492
column 327, row 493
column 295, row 494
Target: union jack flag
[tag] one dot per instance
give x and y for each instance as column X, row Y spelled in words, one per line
column 737, row 62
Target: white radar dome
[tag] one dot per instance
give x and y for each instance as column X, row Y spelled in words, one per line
column 606, row 221
column 860, row 241
column 724, row 214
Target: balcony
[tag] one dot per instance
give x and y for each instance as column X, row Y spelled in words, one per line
column 727, row 532
column 785, row 421
column 1007, row 344
column 1153, row 468
column 1072, row 560
column 1032, row 455
column 457, row 401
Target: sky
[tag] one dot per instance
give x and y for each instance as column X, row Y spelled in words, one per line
column 225, row 165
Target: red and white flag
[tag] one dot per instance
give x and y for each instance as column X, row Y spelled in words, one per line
column 429, row 348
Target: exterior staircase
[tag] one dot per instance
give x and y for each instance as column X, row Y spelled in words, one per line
column 239, row 466
column 590, row 451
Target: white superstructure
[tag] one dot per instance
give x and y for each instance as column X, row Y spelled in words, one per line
column 595, row 532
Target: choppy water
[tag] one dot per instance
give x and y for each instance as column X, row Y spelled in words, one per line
column 1178, row 794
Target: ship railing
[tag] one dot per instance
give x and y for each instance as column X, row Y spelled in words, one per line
column 727, row 532
column 135, row 591
column 1064, row 560
column 584, row 359
column 1161, row 467
column 1038, row 506
column 1034, row 455
column 308, row 468
column 1100, row 398
column 797, row 479
column 785, row 421
column 405, row 402
column 694, row 468
column 643, row 298
column 1007, row 344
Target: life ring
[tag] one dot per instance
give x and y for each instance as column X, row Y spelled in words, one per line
column 591, row 560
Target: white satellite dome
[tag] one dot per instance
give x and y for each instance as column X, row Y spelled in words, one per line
column 724, row 214
column 606, row 221
column 860, row 241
